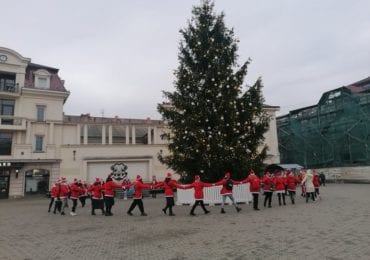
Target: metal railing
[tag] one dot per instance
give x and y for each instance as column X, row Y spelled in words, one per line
column 10, row 89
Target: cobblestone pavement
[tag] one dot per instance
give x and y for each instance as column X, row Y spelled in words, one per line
column 336, row 227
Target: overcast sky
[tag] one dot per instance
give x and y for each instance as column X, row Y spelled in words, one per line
column 118, row 56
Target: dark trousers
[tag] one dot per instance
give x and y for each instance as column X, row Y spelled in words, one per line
column 74, row 205
column 51, row 203
column 137, row 202
column 97, row 204
column 201, row 203
column 109, row 202
column 268, row 197
column 57, row 206
column 83, row 201
column 292, row 196
column 279, row 198
column 317, row 192
column 255, row 200
column 308, row 196
column 170, row 202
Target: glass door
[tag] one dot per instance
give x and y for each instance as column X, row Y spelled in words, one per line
column 4, row 187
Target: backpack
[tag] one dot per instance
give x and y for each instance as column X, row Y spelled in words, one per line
column 229, row 184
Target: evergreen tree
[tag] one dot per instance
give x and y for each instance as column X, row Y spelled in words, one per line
column 215, row 126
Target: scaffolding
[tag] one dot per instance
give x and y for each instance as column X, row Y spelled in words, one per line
column 333, row 133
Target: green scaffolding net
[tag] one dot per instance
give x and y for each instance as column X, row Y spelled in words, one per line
column 335, row 132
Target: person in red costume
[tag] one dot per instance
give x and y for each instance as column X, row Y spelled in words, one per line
column 83, row 194
column 198, row 193
column 97, row 199
column 137, row 199
column 280, row 183
column 52, row 196
column 227, row 191
column 268, row 188
column 291, row 182
column 109, row 187
column 75, row 193
column 169, row 185
column 64, row 194
column 254, row 187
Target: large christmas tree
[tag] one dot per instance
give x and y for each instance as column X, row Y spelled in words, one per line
column 216, row 123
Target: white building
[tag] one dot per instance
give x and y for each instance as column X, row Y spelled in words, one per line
column 38, row 143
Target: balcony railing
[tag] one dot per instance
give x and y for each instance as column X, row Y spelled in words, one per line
column 10, row 88
column 12, row 123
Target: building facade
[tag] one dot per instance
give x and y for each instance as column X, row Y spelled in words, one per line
column 38, row 143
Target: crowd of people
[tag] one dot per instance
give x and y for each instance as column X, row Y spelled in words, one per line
column 282, row 183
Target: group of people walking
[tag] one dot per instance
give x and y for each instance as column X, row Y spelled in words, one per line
column 283, row 183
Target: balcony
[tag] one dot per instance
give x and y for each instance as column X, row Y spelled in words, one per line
column 12, row 123
column 10, row 90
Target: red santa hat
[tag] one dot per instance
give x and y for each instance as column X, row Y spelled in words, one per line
column 169, row 175
column 227, row 175
column 138, row 178
column 63, row 179
column 75, row 180
column 97, row 179
column 196, row 177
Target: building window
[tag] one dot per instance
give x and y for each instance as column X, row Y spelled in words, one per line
column 6, row 111
column 7, row 82
column 39, row 143
column 42, row 83
column 40, row 113
column 5, row 143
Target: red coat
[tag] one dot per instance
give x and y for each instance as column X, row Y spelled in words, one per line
column 198, row 189
column 109, row 188
column 268, row 182
column 225, row 191
column 75, row 191
column 291, row 182
column 61, row 191
column 255, row 183
column 279, row 183
column 316, row 181
column 83, row 192
column 139, row 186
column 96, row 191
column 53, row 192
column 168, row 187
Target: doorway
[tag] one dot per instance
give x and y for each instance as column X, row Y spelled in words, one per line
column 37, row 182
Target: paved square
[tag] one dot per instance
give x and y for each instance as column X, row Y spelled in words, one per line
column 337, row 227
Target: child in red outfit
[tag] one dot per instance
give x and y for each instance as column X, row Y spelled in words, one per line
column 198, row 193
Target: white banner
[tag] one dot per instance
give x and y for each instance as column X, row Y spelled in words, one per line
column 212, row 195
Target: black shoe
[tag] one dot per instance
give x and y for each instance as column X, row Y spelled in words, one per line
column 223, row 211
column 129, row 213
column 238, row 209
column 192, row 214
column 207, row 212
column 144, row 214
column 256, row 209
column 54, row 212
column 62, row 213
column 269, row 206
column 164, row 211
column 48, row 210
column 172, row 214
column 93, row 213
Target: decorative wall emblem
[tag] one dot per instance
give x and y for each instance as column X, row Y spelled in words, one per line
column 119, row 171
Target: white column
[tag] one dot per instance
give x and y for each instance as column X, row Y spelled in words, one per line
column 103, row 134
column 133, row 135
column 28, row 132
column 149, row 135
column 51, row 133
column 85, row 134
column 127, row 134
column 78, row 137
column 110, row 134
column 155, row 132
